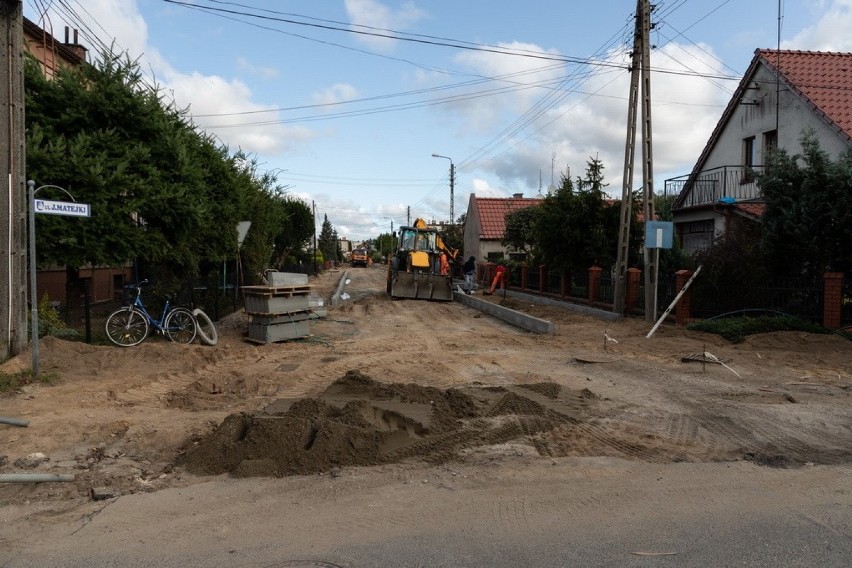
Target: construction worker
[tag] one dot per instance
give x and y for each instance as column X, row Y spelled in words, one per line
column 499, row 278
column 470, row 274
column 445, row 264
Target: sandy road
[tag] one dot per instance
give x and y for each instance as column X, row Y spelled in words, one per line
column 669, row 458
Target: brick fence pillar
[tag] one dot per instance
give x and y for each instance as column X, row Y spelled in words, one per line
column 634, row 275
column 683, row 311
column 594, row 283
column 524, row 271
column 832, row 304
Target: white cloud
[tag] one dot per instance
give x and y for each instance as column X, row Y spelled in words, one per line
column 374, row 14
column 244, row 64
column 255, row 132
column 830, row 33
column 213, row 95
column 589, row 120
column 339, row 92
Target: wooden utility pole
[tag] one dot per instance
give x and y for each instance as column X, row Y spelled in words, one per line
column 640, row 67
column 620, row 287
column 13, row 203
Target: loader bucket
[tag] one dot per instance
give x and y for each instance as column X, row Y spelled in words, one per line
column 421, row 286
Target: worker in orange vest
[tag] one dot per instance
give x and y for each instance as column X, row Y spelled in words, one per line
column 499, row 279
column 445, row 264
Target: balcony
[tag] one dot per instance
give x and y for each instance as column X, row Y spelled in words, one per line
column 709, row 186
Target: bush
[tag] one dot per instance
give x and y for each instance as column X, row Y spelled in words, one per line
column 735, row 329
column 10, row 383
column 49, row 322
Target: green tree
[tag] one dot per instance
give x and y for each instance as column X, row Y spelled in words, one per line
column 807, row 225
column 327, row 243
column 519, row 234
column 161, row 192
column 579, row 228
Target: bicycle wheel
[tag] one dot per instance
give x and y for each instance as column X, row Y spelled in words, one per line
column 206, row 329
column 180, row 325
column 127, row 327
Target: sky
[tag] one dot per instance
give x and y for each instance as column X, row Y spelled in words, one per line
column 346, row 101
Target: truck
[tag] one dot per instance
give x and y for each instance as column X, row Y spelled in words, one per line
column 360, row 257
column 416, row 270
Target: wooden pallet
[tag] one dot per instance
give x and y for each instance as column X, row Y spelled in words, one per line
column 277, row 291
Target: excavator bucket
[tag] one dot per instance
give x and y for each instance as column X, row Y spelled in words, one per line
column 421, row 286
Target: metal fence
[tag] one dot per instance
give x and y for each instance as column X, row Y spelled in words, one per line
column 797, row 297
column 86, row 319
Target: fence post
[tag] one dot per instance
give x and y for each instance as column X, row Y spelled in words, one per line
column 634, row 275
column 683, row 310
column 832, row 304
column 594, row 283
column 524, row 272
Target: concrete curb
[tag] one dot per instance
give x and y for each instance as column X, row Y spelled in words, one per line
column 518, row 319
column 587, row 310
column 335, row 298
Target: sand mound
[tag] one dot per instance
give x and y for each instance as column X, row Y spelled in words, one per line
column 359, row 421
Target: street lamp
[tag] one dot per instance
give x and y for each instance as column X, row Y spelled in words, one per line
column 452, row 185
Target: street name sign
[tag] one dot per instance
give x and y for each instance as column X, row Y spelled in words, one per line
column 67, row 208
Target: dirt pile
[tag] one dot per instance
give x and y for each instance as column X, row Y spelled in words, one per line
column 360, row 421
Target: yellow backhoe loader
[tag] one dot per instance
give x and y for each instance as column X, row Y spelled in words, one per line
column 415, row 270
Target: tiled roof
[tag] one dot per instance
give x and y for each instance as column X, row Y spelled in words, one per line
column 752, row 209
column 823, row 79
column 492, row 213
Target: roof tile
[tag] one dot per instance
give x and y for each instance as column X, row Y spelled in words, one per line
column 823, row 78
column 493, row 210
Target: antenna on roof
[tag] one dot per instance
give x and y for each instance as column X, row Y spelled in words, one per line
column 778, row 69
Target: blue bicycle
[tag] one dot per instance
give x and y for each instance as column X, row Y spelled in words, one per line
column 130, row 325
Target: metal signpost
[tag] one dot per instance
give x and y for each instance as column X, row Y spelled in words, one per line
column 72, row 209
column 658, row 234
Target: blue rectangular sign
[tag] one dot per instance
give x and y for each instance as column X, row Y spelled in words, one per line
column 658, row 234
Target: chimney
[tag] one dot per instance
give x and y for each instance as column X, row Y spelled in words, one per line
column 75, row 46
column 517, row 195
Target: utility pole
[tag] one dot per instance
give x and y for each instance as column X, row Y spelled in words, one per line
column 648, row 163
column 408, row 216
column 626, row 213
column 452, row 185
column 314, row 218
column 13, row 203
column 452, row 192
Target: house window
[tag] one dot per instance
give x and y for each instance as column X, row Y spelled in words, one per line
column 696, row 236
column 748, row 152
column 494, row 256
column 749, row 159
column 770, row 142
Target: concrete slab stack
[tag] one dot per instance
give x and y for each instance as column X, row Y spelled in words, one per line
column 280, row 310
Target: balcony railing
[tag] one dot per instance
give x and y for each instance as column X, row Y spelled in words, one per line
column 709, row 186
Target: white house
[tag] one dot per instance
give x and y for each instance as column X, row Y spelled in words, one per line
column 782, row 95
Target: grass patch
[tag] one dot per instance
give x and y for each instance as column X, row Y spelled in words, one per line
column 735, row 329
column 10, row 383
